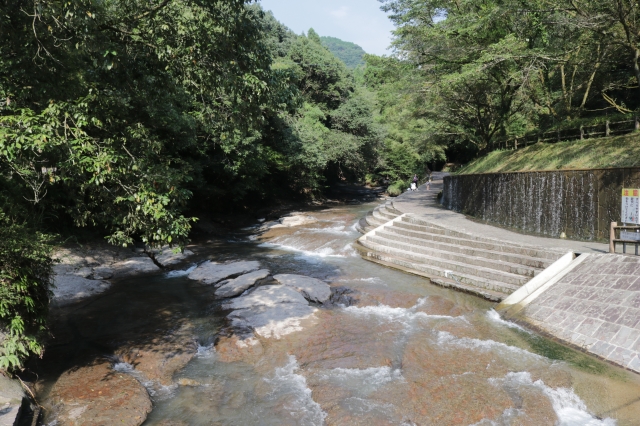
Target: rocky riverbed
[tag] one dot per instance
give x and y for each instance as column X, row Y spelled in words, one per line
column 286, row 325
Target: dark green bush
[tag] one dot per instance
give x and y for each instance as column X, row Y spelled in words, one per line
column 25, row 282
column 397, row 188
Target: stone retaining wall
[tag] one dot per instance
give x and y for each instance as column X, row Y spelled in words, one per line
column 580, row 203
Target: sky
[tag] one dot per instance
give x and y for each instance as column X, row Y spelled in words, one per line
column 358, row 21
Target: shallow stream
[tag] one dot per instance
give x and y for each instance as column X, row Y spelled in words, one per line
column 407, row 353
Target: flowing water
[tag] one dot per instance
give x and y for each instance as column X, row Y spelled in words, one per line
column 406, row 353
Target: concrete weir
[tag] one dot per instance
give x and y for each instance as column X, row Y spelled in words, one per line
column 573, row 291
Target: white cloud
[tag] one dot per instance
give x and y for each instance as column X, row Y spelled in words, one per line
column 340, row 12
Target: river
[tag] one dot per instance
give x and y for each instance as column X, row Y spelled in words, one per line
column 405, row 353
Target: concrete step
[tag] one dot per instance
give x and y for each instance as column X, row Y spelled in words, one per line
column 477, row 244
column 422, row 226
column 482, row 272
column 382, row 210
column 544, row 252
column 511, row 258
column 513, row 268
column 380, row 216
column 363, row 227
column 373, row 220
column 440, row 281
column 377, row 252
column 391, row 208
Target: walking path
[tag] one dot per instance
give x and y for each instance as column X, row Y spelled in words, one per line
column 422, row 204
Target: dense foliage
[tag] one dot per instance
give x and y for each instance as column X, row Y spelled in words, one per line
column 131, row 117
column 349, row 53
column 25, row 275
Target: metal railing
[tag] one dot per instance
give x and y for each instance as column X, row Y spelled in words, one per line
column 624, row 237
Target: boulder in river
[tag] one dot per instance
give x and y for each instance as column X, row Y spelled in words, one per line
column 212, row 272
column 98, row 395
column 271, row 311
column 311, row 288
column 238, row 285
column 268, row 296
column 272, row 321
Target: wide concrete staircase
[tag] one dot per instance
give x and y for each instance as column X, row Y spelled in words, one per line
column 486, row 267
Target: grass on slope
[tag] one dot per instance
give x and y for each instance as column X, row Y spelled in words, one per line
column 619, row 151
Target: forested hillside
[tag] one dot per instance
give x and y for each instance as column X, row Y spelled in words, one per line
column 349, row 53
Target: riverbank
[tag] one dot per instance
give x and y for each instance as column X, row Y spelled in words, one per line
column 618, row 151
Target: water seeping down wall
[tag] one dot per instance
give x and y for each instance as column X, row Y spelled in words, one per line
column 580, row 203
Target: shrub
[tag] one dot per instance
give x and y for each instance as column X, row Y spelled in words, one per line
column 25, row 282
column 397, row 188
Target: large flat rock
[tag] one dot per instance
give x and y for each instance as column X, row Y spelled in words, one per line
column 243, row 282
column 272, row 321
column 157, row 358
column 99, row 395
column 212, row 272
column 311, row 288
column 134, row 265
column 268, row 296
column 71, row 288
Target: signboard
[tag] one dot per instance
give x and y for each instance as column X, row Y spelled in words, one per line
column 631, row 205
column 629, row 236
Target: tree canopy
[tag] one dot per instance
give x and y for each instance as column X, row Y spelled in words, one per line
column 493, row 70
column 129, row 116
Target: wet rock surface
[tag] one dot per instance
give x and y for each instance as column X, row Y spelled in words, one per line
column 166, row 256
column 238, row 285
column 341, row 297
column 98, row 395
column 274, row 321
column 159, row 357
column 11, row 395
column 267, row 296
column 134, row 265
column 312, row 289
column 270, row 311
column 211, row 272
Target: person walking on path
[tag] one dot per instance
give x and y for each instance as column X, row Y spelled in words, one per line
column 414, row 184
column 428, row 178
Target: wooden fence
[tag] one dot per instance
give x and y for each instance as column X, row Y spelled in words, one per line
column 584, row 132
